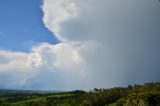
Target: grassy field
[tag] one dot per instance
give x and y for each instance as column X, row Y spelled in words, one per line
column 36, row 99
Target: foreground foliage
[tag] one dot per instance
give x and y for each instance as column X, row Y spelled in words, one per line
column 136, row 95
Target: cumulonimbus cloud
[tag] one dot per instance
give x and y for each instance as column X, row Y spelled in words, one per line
column 118, row 38
column 104, row 43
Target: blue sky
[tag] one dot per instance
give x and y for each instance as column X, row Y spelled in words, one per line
column 21, row 25
column 72, row 44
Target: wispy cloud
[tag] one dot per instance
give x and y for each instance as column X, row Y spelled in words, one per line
column 1, row 32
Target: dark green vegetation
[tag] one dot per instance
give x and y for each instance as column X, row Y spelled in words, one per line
column 136, row 95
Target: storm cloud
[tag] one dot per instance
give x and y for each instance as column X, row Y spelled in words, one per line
column 103, row 43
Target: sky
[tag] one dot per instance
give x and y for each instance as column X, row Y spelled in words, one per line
column 76, row 44
column 21, row 25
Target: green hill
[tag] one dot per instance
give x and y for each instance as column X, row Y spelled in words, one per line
column 151, row 98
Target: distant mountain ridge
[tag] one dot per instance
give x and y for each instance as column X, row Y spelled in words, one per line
column 9, row 91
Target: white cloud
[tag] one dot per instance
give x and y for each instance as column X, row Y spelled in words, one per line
column 13, row 69
column 61, row 11
column 103, row 43
column 9, row 60
column 26, row 70
column 54, row 56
